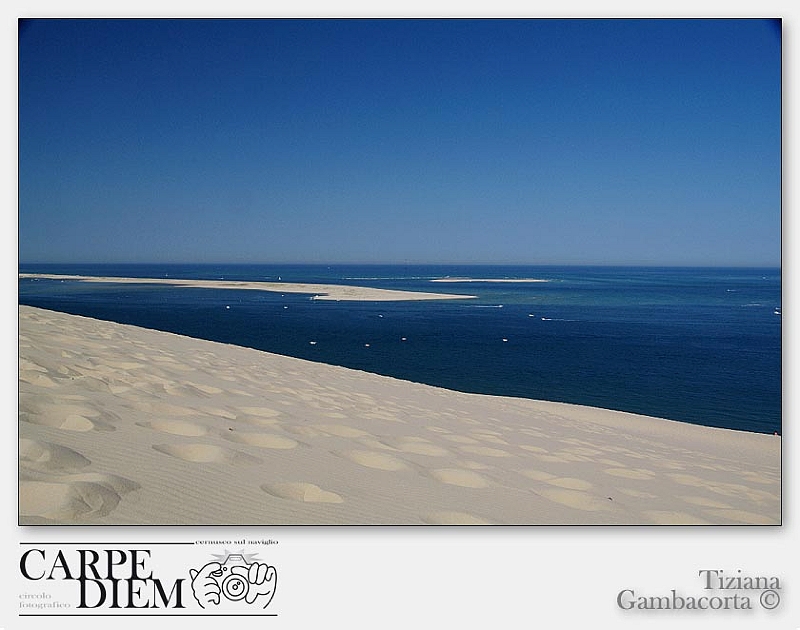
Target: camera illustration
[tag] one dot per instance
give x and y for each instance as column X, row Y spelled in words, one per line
column 238, row 579
column 232, row 585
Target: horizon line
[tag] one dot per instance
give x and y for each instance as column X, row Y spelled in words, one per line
column 778, row 265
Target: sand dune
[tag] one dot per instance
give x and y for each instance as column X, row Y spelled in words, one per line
column 121, row 425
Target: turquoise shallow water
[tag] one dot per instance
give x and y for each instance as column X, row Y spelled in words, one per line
column 695, row 345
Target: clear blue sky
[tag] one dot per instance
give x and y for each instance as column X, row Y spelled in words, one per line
column 487, row 141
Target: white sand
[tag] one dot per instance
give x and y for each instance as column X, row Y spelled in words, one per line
column 122, row 425
column 338, row 292
column 513, row 280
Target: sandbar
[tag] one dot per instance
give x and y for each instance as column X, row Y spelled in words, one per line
column 337, row 292
column 499, row 280
column 120, row 425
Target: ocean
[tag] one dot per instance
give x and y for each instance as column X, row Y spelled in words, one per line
column 697, row 345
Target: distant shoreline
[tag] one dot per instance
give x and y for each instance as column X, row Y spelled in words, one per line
column 514, row 280
column 334, row 292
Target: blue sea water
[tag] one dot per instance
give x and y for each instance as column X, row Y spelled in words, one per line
column 699, row 345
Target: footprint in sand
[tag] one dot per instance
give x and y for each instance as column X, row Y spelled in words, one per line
column 204, row 453
column 630, row 473
column 572, row 457
column 28, row 365
column 575, row 499
column 472, row 465
column 175, row 427
column 373, row 459
column 533, row 449
column 492, row 437
column 118, row 484
column 79, row 418
column 301, row 491
column 45, row 456
column 164, row 358
column 486, row 451
column 308, row 432
column 705, row 502
column 459, row 477
column 206, row 389
column 375, row 444
column 638, row 494
column 460, row 439
column 186, row 390
column 124, row 365
column 537, row 475
column 341, row 430
column 220, row 413
column 611, row 462
column 533, row 433
column 470, row 421
column 584, row 451
column 570, row 483
column 553, row 459
column 258, row 412
column 259, row 416
column 415, row 446
column 36, row 379
column 687, row 480
column 78, row 497
column 667, row 465
column 262, row 440
column 454, row 518
column 258, row 421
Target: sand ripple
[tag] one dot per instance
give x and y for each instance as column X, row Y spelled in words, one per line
column 262, row 440
column 301, row 491
column 373, row 459
column 176, row 427
column 416, row 446
column 203, row 453
column 459, row 477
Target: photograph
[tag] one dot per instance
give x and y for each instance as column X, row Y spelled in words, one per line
column 400, row 272
column 433, row 281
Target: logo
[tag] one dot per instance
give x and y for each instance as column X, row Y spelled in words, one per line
column 64, row 580
column 237, row 578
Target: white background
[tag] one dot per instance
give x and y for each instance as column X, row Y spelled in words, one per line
column 367, row 577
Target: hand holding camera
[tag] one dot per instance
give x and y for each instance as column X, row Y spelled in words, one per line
column 236, row 579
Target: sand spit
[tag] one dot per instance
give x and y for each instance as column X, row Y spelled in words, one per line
column 500, row 280
column 122, row 425
column 337, row 292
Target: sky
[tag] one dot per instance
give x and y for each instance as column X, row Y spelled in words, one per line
column 527, row 141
